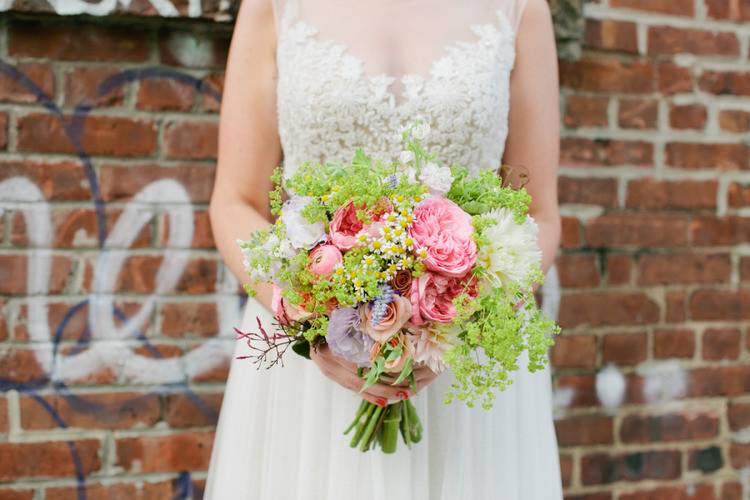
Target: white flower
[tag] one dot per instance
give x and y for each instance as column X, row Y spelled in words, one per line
column 406, row 157
column 438, row 179
column 299, row 231
column 421, row 131
column 512, row 251
column 431, row 344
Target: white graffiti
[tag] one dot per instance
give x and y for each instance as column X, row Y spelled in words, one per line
column 164, row 8
column 113, row 346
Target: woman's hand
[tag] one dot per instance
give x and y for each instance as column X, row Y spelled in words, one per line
column 345, row 374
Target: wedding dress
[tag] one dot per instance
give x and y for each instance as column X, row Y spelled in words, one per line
column 352, row 73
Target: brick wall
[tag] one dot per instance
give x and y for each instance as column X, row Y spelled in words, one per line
column 112, row 367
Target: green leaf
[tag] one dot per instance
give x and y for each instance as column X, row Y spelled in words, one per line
column 405, row 372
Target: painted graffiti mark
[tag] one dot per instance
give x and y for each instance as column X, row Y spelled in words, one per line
column 103, row 343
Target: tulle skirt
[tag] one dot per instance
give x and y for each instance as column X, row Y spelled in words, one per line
column 280, row 437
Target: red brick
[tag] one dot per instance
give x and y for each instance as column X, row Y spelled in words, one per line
column 618, row 269
column 581, row 387
column 676, row 306
column 608, row 75
column 731, row 491
column 730, row 230
column 667, row 40
column 77, row 41
column 574, row 351
column 217, row 373
column 601, row 468
column 624, row 348
column 122, row 182
column 721, row 343
column 734, row 120
column 670, row 427
column 608, row 308
column 566, row 470
column 138, row 275
column 738, row 414
column 193, row 49
column 11, row 90
column 14, row 274
column 47, row 459
column 745, row 269
column 58, row 181
column 673, row 7
column 578, row 270
column 82, row 86
column 734, row 10
column 214, row 87
column 189, row 319
column 191, row 140
column 121, row 491
column 3, row 131
column 683, row 492
column 718, row 304
column 571, row 232
column 638, row 113
column 642, row 229
column 172, row 453
column 687, row 117
column 718, row 381
column 606, row 34
column 674, row 344
column 584, row 430
column 16, row 494
column 164, row 95
column 588, row 191
column 585, row 111
column 685, row 268
column 738, row 195
column 739, row 455
column 194, row 410
column 579, row 152
column 102, row 135
column 725, row 83
column 650, row 193
column 123, row 410
column 591, row 496
column 3, row 416
column 673, row 79
column 730, row 156
column 78, row 228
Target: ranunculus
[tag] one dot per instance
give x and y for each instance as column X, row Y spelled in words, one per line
column 396, row 365
column 300, row 232
column 323, row 259
column 397, row 313
column 286, row 312
column 401, row 282
column 444, row 233
column 432, row 297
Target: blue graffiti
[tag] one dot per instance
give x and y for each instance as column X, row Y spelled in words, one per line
column 74, row 129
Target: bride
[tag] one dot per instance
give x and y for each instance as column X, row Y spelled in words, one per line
column 315, row 80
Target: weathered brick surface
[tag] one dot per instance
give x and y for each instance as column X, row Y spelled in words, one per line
column 655, row 282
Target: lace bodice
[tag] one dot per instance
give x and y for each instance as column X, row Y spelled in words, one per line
column 352, row 73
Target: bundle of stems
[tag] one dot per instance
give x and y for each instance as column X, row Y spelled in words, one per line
column 376, row 425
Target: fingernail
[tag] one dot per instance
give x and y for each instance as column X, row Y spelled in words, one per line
column 403, row 395
column 381, row 402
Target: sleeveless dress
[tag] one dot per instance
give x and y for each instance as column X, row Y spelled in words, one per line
column 351, row 73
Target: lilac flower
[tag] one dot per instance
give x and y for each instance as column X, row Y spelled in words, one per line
column 380, row 304
column 345, row 338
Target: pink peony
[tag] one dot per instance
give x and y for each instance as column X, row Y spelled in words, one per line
column 432, row 297
column 444, row 233
column 323, row 259
column 286, row 312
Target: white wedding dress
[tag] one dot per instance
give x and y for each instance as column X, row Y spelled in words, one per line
column 351, row 73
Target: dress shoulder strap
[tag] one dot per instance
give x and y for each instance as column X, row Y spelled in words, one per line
column 513, row 10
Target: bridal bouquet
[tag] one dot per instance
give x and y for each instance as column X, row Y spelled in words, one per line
column 401, row 264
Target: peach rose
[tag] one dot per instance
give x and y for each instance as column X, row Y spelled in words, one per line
column 397, row 364
column 444, row 233
column 396, row 315
column 286, row 312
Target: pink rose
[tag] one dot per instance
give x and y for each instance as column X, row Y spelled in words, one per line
column 323, row 259
column 286, row 312
column 397, row 313
column 432, row 297
column 444, row 233
column 346, row 226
